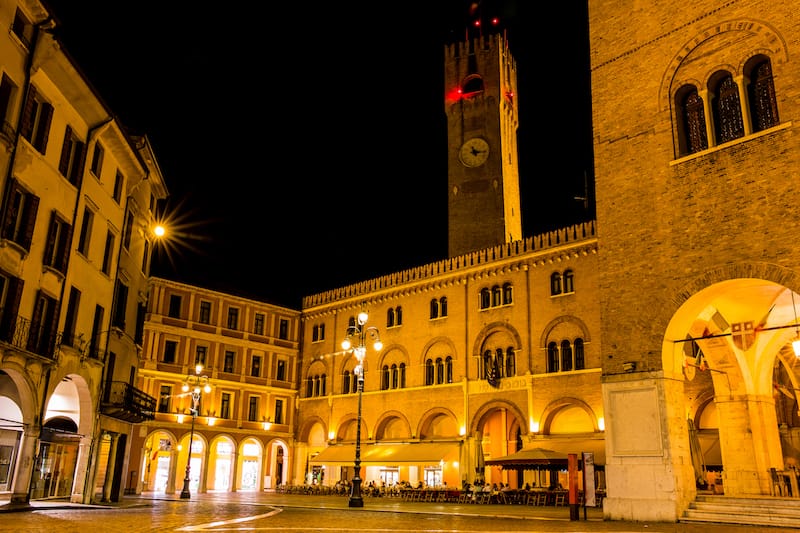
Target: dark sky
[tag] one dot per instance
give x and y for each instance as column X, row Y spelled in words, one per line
column 304, row 145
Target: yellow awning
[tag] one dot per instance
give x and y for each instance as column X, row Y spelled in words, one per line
column 420, row 453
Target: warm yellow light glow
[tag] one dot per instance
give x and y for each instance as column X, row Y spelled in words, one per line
column 179, row 419
column 331, row 435
column 180, row 447
column 159, row 230
column 534, row 426
column 601, row 423
column 267, row 426
column 796, row 347
column 378, row 346
column 185, row 387
column 207, row 388
column 198, row 368
column 346, row 344
column 362, row 317
column 211, row 420
column 462, row 431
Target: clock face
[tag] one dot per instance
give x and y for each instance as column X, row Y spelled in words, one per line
column 474, row 152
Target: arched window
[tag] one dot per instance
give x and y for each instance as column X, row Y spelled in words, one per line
column 439, row 371
column 429, row 372
column 511, row 362
column 727, row 109
column 434, row 309
column 390, row 318
column 508, row 294
column 555, row 283
column 351, row 322
column 394, row 372
column 569, row 281
column 346, row 382
column 385, row 377
column 499, row 362
column 399, row 315
column 552, row 357
column 324, row 379
column 761, row 93
column 580, row 362
column 486, row 299
column 443, row 306
column 488, row 363
column 566, row 356
column 691, row 121
column 402, row 377
column 448, row 369
column 309, row 387
column 496, row 296
column 317, row 385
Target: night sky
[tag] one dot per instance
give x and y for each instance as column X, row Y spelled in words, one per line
column 304, row 147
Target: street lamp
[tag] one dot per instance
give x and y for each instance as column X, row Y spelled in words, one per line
column 193, row 385
column 359, row 332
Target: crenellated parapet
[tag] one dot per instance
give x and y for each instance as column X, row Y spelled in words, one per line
column 550, row 240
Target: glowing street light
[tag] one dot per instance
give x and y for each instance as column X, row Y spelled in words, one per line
column 194, row 385
column 359, row 332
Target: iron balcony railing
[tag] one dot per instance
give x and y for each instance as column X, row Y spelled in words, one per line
column 125, row 402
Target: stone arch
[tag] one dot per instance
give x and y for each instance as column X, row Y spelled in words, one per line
column 487, row 409
column 552, row 410
column 304, row 431
column 431, row 419
column 770, row 41
column 388, row 419
column 563, row 319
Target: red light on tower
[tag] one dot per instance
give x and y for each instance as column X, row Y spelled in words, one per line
column 495, row 21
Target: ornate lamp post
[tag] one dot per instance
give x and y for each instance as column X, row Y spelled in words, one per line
column 359, row 332
column 193, row 385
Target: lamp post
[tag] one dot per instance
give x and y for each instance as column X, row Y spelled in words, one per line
column 193, row 385
column 359, row 332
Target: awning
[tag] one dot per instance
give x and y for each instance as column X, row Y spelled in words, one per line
column 530, row 459
column 578, row 446
column 421, row 453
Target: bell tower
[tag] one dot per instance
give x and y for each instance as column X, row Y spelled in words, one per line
column 482, row 120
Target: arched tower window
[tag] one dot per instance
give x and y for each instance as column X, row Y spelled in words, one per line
column 555, row 283
column 691, row 121
column 566, row 356
column 439, row 371
column 508, row 294
column 346, row 382
column 580, row 362
column 569, row 281
column 496, row 296
column 448, row 369
column 429, row 371
column 443, row 306
column 761, row 93
column 434, row 308
column 486, row 299
column 552, row 357
column 390, row 318
column 511, row 362
column 385, row 377
column 727, row 109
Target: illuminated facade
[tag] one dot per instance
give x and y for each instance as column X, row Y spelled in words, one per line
column 243, row 430
column 658, row 336
column 74, row 258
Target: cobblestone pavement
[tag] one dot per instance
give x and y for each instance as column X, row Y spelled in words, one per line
column 296, row 513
